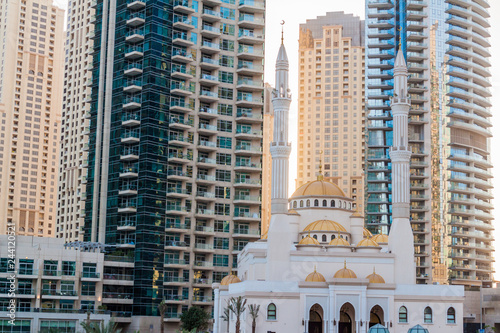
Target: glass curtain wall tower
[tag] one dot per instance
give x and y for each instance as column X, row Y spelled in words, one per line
column 175, row 156
column 446, row 48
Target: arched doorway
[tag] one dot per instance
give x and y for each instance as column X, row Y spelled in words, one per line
column 346, row 320
column 315, row 319
column 376, row 316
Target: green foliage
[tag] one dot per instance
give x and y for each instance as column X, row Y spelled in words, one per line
column 237, row 306
column 94, row 327
column 195, row 318
column 254, row 313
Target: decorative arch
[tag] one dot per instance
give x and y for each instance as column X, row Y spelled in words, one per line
column 347, row 316
column 332, row 203
column 315, row 237
column 323, row 238
column 333, row 237
column 316, row 316
column 295, row 204
column 308, row 203
column 325, row 203
column 316, row 203
column 301, row 203
column 376, row 316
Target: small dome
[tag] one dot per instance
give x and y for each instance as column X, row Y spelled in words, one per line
column 380, row 238
column 308, row 240
column 318, row 188
column 325, row 225
column 367, row 233
column 339, row 242
column 315, row 277
column 345, row 273
column 293, row 211
column 367, row 243
column 230, row 279
column 375, row 278
column 418, row 329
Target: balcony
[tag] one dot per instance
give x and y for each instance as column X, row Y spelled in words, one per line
column 174, row 174
column 179, row 157
column 136, row 19
column 177, row 226
column 205, row 112
column 56, row 294
column 249, row 85
column 201, row 300
column 205, row 196
column 135, row 36
column 208, row 96
column 117, row 297
column 126, row 224
column 210, row 15
column 249, row 52
column 207, row 162
column 204, row 145
column 181, row 38
column 248, row 150
column 248, row 117
column 209, row 47
column 247, row 199
column 182, row 22
column 182, row 6
column 132, row 86
column 181, row 122
column 175, row 262
column 204, row 265
column 181, row 55
column 204, row 230
column 207, row 129
column 248, row 37
column 131, row 103
column 181, row 72
column 207, row 179
column 182, row 88
column 209, row 80
column 247, row 166
column 246, row 216
column 130, row 136
column 201, row 247
column 175, row 280
column 180, row 105
column 210, row 31
column 177, row 245
column 248, row 183
column 134, row 52
column 250, row 21
column 128, row 207
column 209, row 63
column 136, row 4
column 251, row 6
column 129, row 172
column 246, row 233
column 129, row 154
column 176, row 209
column 132, row 69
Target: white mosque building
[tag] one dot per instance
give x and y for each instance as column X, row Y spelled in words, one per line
column 319, row 270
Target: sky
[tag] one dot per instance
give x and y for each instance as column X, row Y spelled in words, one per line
column 295, row 12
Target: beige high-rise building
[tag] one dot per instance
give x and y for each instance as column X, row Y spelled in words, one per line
column 31, row 54
column 267, row 162
column 331, row 102
column 75, row 121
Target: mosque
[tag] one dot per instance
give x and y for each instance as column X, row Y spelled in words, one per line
column 318, row 270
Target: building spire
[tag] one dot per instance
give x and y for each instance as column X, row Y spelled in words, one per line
column 282, row 24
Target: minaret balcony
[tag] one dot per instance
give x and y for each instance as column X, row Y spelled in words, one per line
column 251, row 6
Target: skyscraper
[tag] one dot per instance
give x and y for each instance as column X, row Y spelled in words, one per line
column 75, row 123
column 175, row 145
column 446, row 49
column 31, row 62
column 331, row 101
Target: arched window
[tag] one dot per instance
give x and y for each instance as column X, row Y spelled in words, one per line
column 323, row 238
column 301, row 203
column 315, row 237
column 450, row 316
column 333, row 237
column 324, row 203
column 295, row 204
column 427, row 315
column 332, row 203
column 271, row 312
column 403, row 314
column 349, row 206
column 346, row 238
column 316, row 203
column 308, row 203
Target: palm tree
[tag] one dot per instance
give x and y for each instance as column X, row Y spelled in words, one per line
column 237, row 306
column 254, row 313
column 162, row 308
column 96, row 328
column 226, row 315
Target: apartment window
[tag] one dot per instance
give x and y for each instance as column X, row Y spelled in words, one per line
column 68, row 268
column 224, row 142
column 227, row 29
column 223, row 159
column 227, row 45
column 223, row 175
column 227, row 13
column 224, row 126
column 222, row 192
column 226, row 61
column 225, row 110
column 88, row 288
column 221, row 226
column 222, row 209
column 226, row 77
column 221, row 260
column 226, row 93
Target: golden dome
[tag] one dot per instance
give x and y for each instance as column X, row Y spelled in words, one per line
column 325, row 225
column 339, row 242
column 308, row 240
column 315, row 277
column 317, row 188
column 230, row 279
column 367, row 242
column 375, row 278
column 293, row 211
column 345, row 273
column 380, row 238
column 367, row 233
